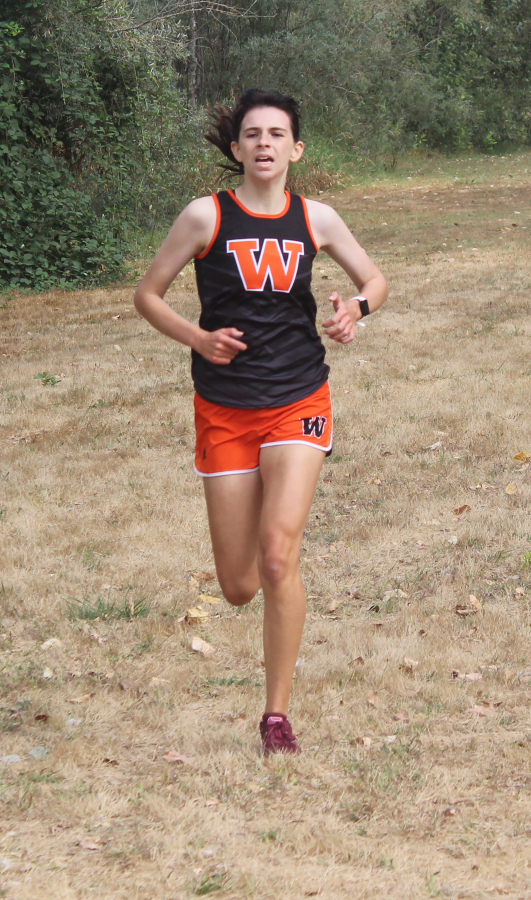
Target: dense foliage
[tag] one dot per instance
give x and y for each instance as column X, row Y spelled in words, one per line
column 102, row 102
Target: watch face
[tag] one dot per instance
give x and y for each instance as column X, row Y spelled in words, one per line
column 364, row 306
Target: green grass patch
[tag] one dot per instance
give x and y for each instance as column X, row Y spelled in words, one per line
column 98, row 609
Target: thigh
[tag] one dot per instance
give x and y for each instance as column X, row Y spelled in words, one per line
column 234, row 504
column 289, row 473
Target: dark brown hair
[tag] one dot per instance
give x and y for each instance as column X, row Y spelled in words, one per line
column 226, row 122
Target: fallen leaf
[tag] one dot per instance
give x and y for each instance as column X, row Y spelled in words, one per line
column 52, row 642
column 472, row 676
column 203, row 576
column 196, row 615
column 509, row 675
column 174, row 756
column 360, row 661
column 462, row 509
column 97, row 637
column 206, row 598
column 409, row 664
column 452, row 540
column 510, row 489
column 213, row 801
column 198, row 645
column 354, row 593
column 47, row 673
column 401, row 717
column 462, row 610
column 117, row 347
column 82, row 699
column 486, row 709
column 434, row 446
column 375, row 481
column 38, row 753
column 156, row 681
column 519, row 591
column 373, row 699
column 387, row 595
column 522, row 457
column 110, row 762
column 364, row 741
column 42, row 717
column 474, row 602
column 85, row 844
column 390, row 739
column 449, row 811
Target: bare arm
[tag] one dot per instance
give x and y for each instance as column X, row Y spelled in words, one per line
column 332, row 235
column 189, row 235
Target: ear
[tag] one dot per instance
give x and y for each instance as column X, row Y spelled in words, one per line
column 297, row 151
column 235, row 147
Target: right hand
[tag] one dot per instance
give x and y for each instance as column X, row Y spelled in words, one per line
column 221, row 346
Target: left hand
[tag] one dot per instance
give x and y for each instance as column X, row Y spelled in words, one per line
column 342, row 326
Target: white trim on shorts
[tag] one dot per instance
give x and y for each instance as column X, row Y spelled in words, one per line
column 304, row 443
column 232, row 472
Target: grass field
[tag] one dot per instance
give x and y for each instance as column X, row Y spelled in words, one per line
column 411, row 700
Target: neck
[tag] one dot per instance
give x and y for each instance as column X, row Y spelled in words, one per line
column 262, row 197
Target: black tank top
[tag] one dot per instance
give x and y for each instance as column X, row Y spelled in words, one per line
column 255, row 276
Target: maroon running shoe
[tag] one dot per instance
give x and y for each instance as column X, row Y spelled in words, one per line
column 277, row 736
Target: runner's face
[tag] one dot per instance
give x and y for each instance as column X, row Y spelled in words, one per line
column 265, row 145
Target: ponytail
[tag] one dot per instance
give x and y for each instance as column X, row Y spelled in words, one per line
column 221, row 135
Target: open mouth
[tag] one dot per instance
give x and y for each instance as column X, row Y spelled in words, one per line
column 264, row 159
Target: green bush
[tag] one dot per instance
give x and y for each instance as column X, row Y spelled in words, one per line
column 51, row 232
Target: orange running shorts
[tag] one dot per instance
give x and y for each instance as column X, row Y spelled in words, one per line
column 229, row 440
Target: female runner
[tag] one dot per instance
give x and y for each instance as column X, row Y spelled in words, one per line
column 262, row 404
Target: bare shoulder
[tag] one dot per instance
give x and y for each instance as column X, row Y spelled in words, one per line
column 193, row 228
column 201, row 211
column 327, row 224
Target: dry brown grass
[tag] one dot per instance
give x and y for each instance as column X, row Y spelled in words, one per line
column 421, row 788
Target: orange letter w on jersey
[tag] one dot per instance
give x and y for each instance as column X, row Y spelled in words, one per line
column 271, row 263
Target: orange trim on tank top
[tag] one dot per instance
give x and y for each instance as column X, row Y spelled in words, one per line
column 216, row 229
column 249, row 212
column 308, row 226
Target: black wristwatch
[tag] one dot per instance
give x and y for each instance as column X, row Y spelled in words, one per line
column 364, row 305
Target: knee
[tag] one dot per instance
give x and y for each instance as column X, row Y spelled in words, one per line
column 238, row 598
column 238, row 594
column 277, row 560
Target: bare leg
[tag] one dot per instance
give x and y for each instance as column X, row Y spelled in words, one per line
column 290, row 473
column 234, row 504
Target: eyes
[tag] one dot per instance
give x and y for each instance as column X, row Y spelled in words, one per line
column 257, row 134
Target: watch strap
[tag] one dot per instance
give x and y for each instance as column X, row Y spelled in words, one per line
column 364, row 305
